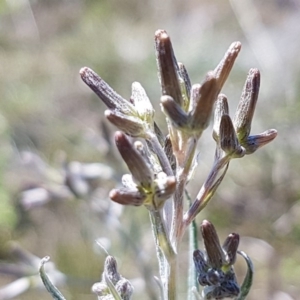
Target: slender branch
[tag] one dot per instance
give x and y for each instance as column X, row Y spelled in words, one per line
column 167, row 258
column 161, row 155
column 184, row 163
column 208, row 189
column 193, row 245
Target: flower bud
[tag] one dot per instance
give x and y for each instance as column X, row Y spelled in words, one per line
column 230, row 246
column 137, row 164
column 167, row 67
column 228, row 139
column 110, row 98
column 220, row 110
column 255, row 142
column 110, row 269
column 175, row 113
column 223, row 69
column 124, row 289
column 127, row 196
column 245, row 111
column 132, row 126
column 142, row 103
column 213, row 248
column 202, row 101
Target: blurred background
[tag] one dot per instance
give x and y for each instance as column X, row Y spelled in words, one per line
column 58, row 162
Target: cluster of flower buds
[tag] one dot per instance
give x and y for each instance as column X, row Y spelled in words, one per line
column 215, row 266
column 161, row 167
column 233, row 137
column 143, row 186
column 113, row 285
column 189, row 107
column 134, row 117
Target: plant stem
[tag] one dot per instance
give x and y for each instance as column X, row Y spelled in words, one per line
column 193, row 245
column 167, row 258
column 208, row 189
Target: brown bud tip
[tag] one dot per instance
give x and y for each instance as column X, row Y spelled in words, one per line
column 212, row 245
column 230, row 246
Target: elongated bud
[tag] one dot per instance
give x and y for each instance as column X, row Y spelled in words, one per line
column 110, row 98
column 220, row 110
column 187, row 85
column 110, row 269
column 228, row 139
column 213, row 248
column 124, row 289
column 176, row 114
column 167, row 66
column 132, row 126
column 230, row 246
column 223, row 69
column 245, row 111
column 136, row 163
column 127, row 196
column 255, row 142
column 203, row 98
column 112, row 284
column 142, row 103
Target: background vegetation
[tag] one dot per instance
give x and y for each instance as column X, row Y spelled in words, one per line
column 48, row 118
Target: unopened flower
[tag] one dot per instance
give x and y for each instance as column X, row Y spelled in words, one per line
column 228, row 140
column 188, row 107
column 255, row 142
column 223, row 69
column 221, row 109
column 168, row 69
column 134, row 117
column 112, row 283
column 143, row 186
column 244, row 115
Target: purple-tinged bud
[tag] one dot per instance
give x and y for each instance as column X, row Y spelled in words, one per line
column 245, row 110
column 230, row 246
column 187, row 85
column 110, row 98
column 137, row 164
column 223, row 69
column 203, row 98
column 228, row 139
column 132, row 126
column 167, row 66
column 215, row 254
column 220, row 110
column 110, row 270
column 127, row 196
column 255, row 142
column 175, row 113
column 124, row 289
